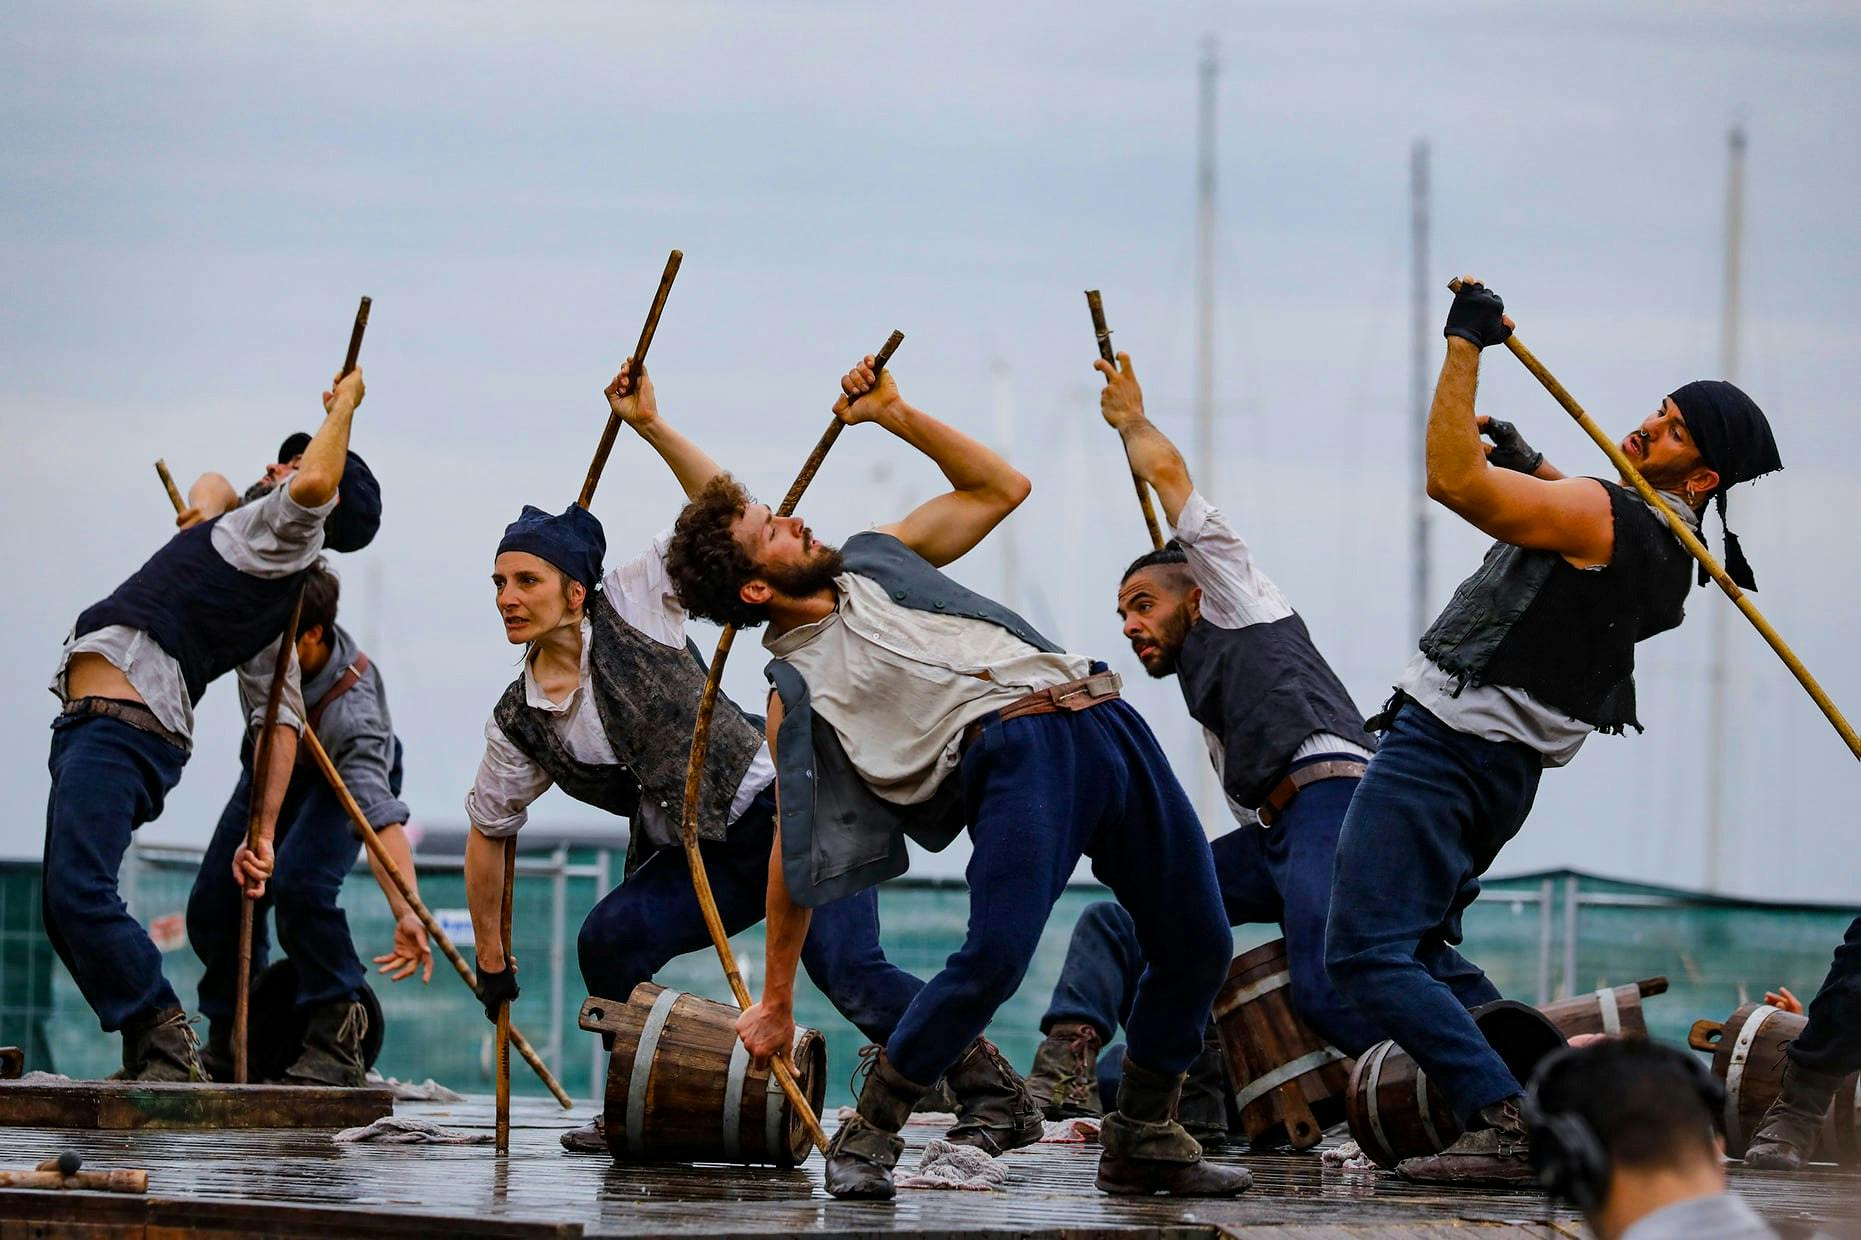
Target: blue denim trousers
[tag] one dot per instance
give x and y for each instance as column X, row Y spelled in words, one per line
column 1429, row 816
column 653, row 916
column 108, row 778
column 1041, row 791
column 314, row 849
column 1831, row 1042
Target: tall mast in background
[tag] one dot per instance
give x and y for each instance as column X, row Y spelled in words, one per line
column 1420, row 282
column 1719, row 676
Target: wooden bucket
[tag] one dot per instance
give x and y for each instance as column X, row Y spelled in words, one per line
column 1748, row 1056
column 680, row 1087
column 1392, row 1111
column 1284, row 1075
column 1614, row 1011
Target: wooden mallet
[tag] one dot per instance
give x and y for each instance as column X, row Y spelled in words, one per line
column 639, row 368
column 694, row 775
column 1103, row 333
column 1687, row 537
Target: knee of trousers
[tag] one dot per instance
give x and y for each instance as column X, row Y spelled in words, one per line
column 301, row 902
column 613, row 960
column 1106, row 919
column 73, row 906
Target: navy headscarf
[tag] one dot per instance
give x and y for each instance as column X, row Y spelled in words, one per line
column 573, row 541
column 352, row 524
column 1734, row 440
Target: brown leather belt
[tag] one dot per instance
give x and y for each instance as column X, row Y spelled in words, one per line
column 1288, row 788
column 135, row 714
column 1081, row 694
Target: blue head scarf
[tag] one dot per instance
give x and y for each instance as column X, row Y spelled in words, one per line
column 572, row 541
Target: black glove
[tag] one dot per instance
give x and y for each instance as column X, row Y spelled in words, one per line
column 1475, row 315
column 1510, row 451
column 495, row 988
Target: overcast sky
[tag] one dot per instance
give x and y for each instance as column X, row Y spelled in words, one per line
column 195, row 194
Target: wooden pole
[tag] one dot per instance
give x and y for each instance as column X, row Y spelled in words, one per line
column 1687, row 538
column 260, row 789
column 379, row 852
column 510, row 884
column 174, row 492
column 355, row 336
column 639, row 368
column 1097, row 307
column 694, row 777
column 95, row 1181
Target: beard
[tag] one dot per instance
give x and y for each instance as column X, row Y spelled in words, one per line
column 808, row 578
column 1170, row 636
column 258, row 490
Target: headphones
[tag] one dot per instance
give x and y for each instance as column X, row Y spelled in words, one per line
column 1566, row 1152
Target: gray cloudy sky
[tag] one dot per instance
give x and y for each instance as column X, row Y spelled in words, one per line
column 193, row 195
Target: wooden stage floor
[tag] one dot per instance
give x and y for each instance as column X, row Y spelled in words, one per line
column 296, row 1183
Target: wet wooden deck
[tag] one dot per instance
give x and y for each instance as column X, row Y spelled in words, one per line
column 296, row 1183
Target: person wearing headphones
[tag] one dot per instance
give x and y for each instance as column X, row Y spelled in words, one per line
column 1627, row 1131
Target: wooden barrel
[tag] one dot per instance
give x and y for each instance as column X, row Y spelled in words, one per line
column 1748, row 1056
column 680, row 1087
column 1614, row 1010
column 1284, row 1076
column 1393, row 1112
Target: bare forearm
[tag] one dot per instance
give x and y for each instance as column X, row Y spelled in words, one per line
column 484, row 896
column 400, row 850
column 690, row 464
column 784, row 934
column 280, row 759
column 969, row 464
column 1156, row 460
column 320, row 472
column 1456, row 461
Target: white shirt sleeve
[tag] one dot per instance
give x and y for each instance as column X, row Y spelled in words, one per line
column 273, row 536
column 255, row 687
column 1235, row 593
column 641, row 591
column 507, row 782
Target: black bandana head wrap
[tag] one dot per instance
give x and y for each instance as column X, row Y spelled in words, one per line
column 353, row 523
column 1734, row 441
column 573, row 541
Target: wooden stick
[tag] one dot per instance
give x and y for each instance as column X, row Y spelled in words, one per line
column 639, row 368
column 1097, row 307
column 260, row 789
column 96, row 1181
column 355, row 337
column 382, row 858
column 1687, row 537
column 694, row 777
column 174, row 493
column 372, row 840
column 510, row 886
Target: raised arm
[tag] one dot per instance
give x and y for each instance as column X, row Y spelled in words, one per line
column 320, row 472
column 986, row 487
column 1570, row 516
column 1153, row 457
column 768, row 1027
column 690, row 464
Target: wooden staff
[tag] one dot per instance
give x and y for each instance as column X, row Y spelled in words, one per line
column 510, row 885
column 63, row 1172
column 174, row 493
column 355, row 337
column 694, row 775
column 639, row 368
column 379, row 852
column 1687, row 537
column 1097, row 307
column 261, row 786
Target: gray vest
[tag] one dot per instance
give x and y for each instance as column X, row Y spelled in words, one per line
column 838, row 836
column 647, row 695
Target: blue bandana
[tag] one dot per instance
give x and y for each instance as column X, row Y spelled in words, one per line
column 573, row 542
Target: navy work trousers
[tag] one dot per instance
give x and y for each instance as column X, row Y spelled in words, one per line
column 108, row 778
column 1831, row 1042
column 653, row 916
column 314, row 849
column 1277, row 874
column 1430, row 814
column 1041, row 791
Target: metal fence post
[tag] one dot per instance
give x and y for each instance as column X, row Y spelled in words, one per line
column 1547, row 894
column 559, row 891
column 1570, row 936
column 597, row 1054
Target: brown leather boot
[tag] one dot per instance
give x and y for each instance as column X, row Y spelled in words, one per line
column 1065, row 1081
column 1203, row 1109
column 161, row 1046
column 862, row 1154
column 216, row 1057
column 1497, row 1151
column 1147, row 1151
column 1788, row 1132
column 995, row 1113
column 590, row 1138
column 332, row 1054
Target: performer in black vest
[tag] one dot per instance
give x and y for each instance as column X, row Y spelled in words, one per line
column 1534, row 652
column 906, row 705
column 214, row 599
column 1828, row 1049
column 316, row 847
column 1286, row 741
column 604, row 709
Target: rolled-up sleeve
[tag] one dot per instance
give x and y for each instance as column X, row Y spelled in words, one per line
column 360, row 741
column 273, row 536
column 507, row 782
column 1235, row 593
column 255, row 688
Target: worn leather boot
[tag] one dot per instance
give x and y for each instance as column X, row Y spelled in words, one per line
column 1065, row 1083
column 862, row 1154
column 161, row 1047
column 332, row 1054
column 1790, row 1127
column 1147, row 1151
column 216, row 1057
column 1497, row 1151
column 1204, row 1106
column 590, row 1138
column 995, row 1113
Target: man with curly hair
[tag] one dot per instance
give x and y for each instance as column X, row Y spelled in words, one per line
column 908, row 706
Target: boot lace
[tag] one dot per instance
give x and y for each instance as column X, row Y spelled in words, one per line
column 868, row 1060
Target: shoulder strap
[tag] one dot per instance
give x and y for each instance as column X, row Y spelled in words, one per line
column 351, row 675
